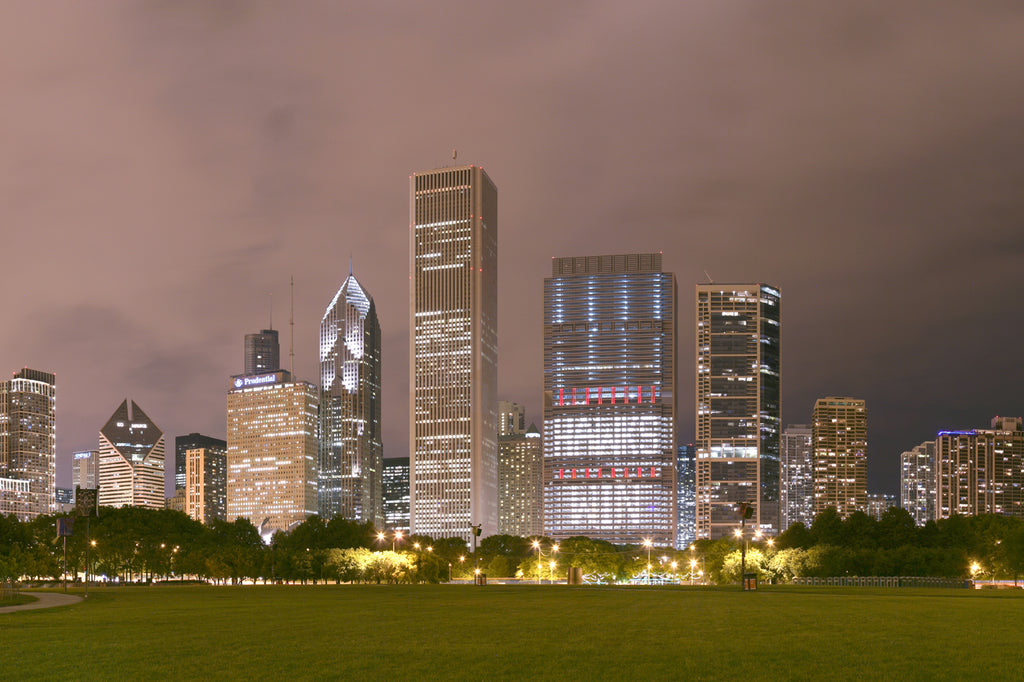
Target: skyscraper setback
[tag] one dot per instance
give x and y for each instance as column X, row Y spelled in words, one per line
column 28, row 444
column 453, row 363
column 262, row 352
column 609, row 399
column 738, row 406
column 351, row 459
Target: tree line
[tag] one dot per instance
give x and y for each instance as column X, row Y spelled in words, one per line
column 135, row 544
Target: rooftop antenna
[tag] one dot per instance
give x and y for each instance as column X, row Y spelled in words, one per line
column 710, row 281
column 350, row 265
column 291, row 321
column 271, row 295
column 455, row 154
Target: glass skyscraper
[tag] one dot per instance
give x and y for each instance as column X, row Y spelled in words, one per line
column 686, row 493
column 262, row 352
column 796, row 474
column 396, row 493
column 609, row 399
column 182, row 444
column 738, row 407
column 917, row 482
column 351, row 452
column 453, row 362
column 28, row 444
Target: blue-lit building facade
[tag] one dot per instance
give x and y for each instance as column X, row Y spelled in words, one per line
column 686, row 495
column 609, row 399
column 738, row 407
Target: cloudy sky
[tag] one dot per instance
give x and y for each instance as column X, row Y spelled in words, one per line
column 167, row 166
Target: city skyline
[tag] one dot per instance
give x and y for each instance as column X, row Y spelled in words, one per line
column 871, row 167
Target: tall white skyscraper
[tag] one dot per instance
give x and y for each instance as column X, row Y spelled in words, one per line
column 453, row 363
column 351, row 452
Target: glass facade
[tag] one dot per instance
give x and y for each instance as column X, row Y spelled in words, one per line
column 396, row 493
column 796, row 474
column 262, row 352
column 182, row 444
column 609, row 399
column 28, row 444
column 351, row 459
column 131, row 469
column 917, row 482
column 454, row 353
column 686, row 473
column 840, row 436
column 738, row 407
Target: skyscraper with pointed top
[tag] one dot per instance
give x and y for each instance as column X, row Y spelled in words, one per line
column 453, row 363
column 351, row 455
column 131, row 471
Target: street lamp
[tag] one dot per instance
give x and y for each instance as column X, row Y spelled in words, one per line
column 536, row 546
column 647, row 544
column 397, row 537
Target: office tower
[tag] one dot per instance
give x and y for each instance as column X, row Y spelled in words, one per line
column 796, row 476
column 206, row 480
column 27, row 444
column 609, row 399
column 453, row 363
column 917, row 482
column 182, row 444
column 262, row 352
column 981, row 471
column 396, row 493
column 272, row 450
column 177, row 501
column 131, row 471
column 65, row 500
column 840, row 438
column 511, row 419
column 520, row 483
column 351, row 453
column 686, row 495
column 85, row 467
column 738, row 407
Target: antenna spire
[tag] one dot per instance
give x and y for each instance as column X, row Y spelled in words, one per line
column 271, row 295
column 291, row 321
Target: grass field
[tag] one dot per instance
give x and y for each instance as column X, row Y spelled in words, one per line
column 513, row 632
column 16, row 600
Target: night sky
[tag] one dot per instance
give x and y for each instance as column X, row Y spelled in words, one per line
column 166, row 166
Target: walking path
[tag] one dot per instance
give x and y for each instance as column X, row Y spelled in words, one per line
column 44, row 600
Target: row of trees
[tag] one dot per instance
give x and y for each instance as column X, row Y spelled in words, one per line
column 131, row 543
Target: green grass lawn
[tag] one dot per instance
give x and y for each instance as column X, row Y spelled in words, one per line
column 511, row 632
column 17, row 599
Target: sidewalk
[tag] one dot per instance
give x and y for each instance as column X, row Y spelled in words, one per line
column 44, row 600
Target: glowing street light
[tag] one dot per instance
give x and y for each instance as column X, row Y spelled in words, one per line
column 647, row 543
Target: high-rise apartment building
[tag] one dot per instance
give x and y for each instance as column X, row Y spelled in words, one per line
column 396, row 493
column 182, row 444
column 28, row 444
column 981, row 471
column 840, row 439
column 453, row 361
column 85, row 469
column 206, row 480
column 262, row 352
column 272, row 450
column 511, row 419
column 878, row 504
column 131, row 470
column 351, row 450
column 917, row 482
column 520, row 483
column 738, row 407
column 686, row 495
column 609, row 399
column 796, row 476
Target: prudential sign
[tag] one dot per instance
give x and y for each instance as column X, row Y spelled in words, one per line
column 241, row 382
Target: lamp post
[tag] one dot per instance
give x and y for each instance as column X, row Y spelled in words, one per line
column 647, row 543
column 536, row 546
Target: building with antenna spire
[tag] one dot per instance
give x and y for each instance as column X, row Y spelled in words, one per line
column 351, row 457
